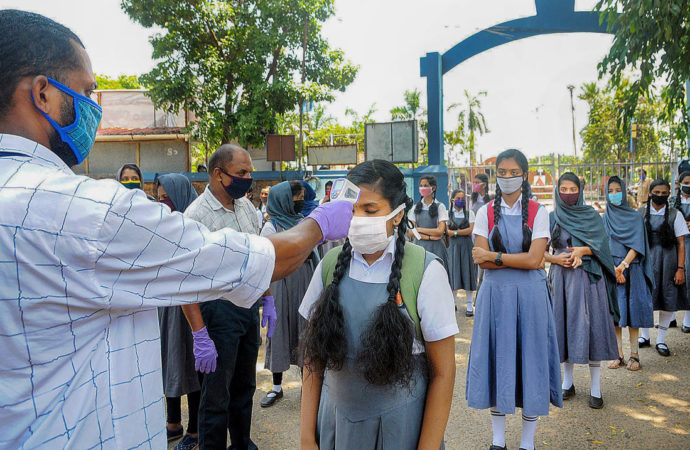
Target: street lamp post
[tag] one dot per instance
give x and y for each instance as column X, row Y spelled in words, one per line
column 572, row 113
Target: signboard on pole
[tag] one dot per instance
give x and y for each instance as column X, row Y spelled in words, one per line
column 393, row 141
column 280, row 147
column 332, row 154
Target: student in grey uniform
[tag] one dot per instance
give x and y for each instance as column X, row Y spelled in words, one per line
column 177, row 345
column 513, row 361
column 480, row 192
column 370, row 336
column 666, row 229
column 429, row 217
column 634, row 273
column 583, row 279
column 462, row 269
column 285, row 200
column 682, row 204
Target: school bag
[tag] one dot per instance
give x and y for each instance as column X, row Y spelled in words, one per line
column 532, row 209
column 412, row 271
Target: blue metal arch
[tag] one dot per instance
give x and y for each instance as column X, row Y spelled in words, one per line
column 553, row 16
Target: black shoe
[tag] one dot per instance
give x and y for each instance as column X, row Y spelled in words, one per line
column 642, row 342
column 673, row 324
column 469, row 313
column 269, row 400
column 496, row 447
column 569, row 393
column 685, row 329
column 663, row 350
column 596, row 402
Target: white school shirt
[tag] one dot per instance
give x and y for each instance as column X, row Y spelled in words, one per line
column 84, row 263
column 459, row 215
column 680, row 227
column 442, row 211
column 435, row 301
column 540, row 228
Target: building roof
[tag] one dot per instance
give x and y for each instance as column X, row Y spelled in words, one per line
column 151, row 131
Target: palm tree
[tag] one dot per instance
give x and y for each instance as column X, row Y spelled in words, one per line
column 472, row 118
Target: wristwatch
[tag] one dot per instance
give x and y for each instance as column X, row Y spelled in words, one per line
column 625, row 264
column 498, row 260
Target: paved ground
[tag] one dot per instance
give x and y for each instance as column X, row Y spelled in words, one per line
column 643, row 410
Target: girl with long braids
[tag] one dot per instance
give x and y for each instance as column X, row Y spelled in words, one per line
column 379, row 314
column 634, row 272
column 583, row 279
column 513, row 361
column 463, row 271
column 429, row 218
column 666, row 229
column 480, row 191
column 682, row 204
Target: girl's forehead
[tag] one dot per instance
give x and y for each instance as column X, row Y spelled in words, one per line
column 508, row 163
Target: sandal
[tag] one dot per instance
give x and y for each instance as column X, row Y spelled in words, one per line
column 633, row 364
column 616, row 363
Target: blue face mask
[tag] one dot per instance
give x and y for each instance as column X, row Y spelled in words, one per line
column 80, row 135
column 616, row 199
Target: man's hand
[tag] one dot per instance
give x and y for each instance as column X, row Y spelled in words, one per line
column 269, row 316
column 334, row 219
column 204, row 352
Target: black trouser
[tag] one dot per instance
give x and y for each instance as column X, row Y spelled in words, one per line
column 227, row 393
column 174, row 410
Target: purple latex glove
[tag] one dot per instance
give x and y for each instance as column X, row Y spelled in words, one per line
column 204, row 352
column 269, row 316
column 334, row 219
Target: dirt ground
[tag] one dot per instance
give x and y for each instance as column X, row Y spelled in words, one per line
column 643, row 410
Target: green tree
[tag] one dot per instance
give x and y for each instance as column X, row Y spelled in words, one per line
column 456, row 143
column 121, row 82
column 412, row 110
column 472, row 118
column 235, row 64
column 652, row 39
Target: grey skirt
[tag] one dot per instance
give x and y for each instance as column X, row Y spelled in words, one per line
column 461, row 267
column 634, row 297
column 177, row 353
column 438, row 248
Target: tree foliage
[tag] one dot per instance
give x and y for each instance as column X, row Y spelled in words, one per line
column 471, row 121
column 237, row 64
column 652, row 39
column 121, row 82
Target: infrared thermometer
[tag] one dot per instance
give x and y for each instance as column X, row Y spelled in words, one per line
column 344, row 189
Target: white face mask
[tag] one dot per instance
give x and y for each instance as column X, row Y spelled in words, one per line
column 509, row 185
column 369, row 234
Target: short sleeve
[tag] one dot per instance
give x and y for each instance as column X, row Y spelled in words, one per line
column 679, row 225
column 481, row 222
column 268, row 229
column 436, row 305
column 472, row 216
column 410, row 214
column 442, row 212
column 313, row 293
column 541, row 228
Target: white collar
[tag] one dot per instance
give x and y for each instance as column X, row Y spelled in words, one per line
column 213, row 202
column 517, row 204
column 654, row 212
column 388, row 253
column 10, row 143
column 684, row 199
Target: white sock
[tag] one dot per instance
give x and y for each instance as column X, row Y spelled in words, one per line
column 498, row 425
column 276, row 388
column 595, row 378
column 529, row 426
column 568, row 375
column 665, row 318
column 686, row 319
column 470, row 299
column 644, row 333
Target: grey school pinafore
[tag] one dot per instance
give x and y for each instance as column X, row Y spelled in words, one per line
column 354, row 414
column 666, row 295
column 634, row 296
column 438, row 248
column 581, row 308
column 514, row 361
column 461, row 267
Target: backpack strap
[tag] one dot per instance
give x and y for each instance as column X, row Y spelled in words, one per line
column 672, row 213
column 412, row 272
column 532, row 210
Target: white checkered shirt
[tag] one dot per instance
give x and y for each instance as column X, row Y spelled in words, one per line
column 83, row 266
column 208, row 210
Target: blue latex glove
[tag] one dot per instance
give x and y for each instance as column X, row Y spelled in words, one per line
column 269, row 316
column 204, row 352
column 334, row 219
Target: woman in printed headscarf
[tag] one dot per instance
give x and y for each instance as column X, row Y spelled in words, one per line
column 310, row 202
column 177, row 344
column 634, row 273
column 583, row 279
column 285, row 200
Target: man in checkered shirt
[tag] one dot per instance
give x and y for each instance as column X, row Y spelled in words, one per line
column 85, row 263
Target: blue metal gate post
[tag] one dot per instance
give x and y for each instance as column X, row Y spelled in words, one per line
column 431, row 68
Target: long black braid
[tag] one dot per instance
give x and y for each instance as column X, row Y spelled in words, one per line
column 497, row 239
column 433, row 208
column 386, row 349
column 678, row 199
column 452, row 224
column 666, row 234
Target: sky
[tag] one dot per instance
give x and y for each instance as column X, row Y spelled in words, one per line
column 527, row 104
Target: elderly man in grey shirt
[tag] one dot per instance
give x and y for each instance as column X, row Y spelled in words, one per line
column 231, row 331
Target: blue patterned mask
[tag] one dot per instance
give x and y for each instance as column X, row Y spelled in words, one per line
column 81, row 134
column 616, row 199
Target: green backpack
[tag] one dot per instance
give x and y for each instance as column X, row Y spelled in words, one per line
column 411, row 272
